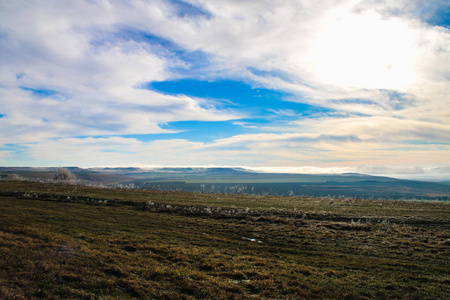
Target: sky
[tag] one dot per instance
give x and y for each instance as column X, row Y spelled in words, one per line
column 305, row 86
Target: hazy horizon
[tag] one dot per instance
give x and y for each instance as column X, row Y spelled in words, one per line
column 436, row 175
column 301, row 86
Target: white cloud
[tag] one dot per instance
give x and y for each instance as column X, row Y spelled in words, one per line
column 306, row 153
column 333, row 50
column 4, row 155
column 374, row 64
column 379, row 129
column 96, row 77
column 117, row 151
column 304, row 170
column 407, row 172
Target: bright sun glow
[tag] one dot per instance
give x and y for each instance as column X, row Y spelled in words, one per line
column 364, row 51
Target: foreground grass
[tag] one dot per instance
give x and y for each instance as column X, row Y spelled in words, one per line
column 54, row 249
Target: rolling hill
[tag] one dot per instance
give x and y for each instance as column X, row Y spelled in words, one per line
column 243, row 181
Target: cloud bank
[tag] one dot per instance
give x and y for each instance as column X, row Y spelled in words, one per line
column 361, row 85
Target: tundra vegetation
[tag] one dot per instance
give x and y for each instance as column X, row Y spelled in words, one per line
column 62, row 241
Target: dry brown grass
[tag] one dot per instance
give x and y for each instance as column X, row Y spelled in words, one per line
column 62, row 250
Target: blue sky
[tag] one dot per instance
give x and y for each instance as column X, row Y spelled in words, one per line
column 286, row 86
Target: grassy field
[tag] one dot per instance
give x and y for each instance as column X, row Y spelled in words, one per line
column 66, row 242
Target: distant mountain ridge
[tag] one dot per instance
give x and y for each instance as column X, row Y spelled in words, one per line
column 240, row 180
